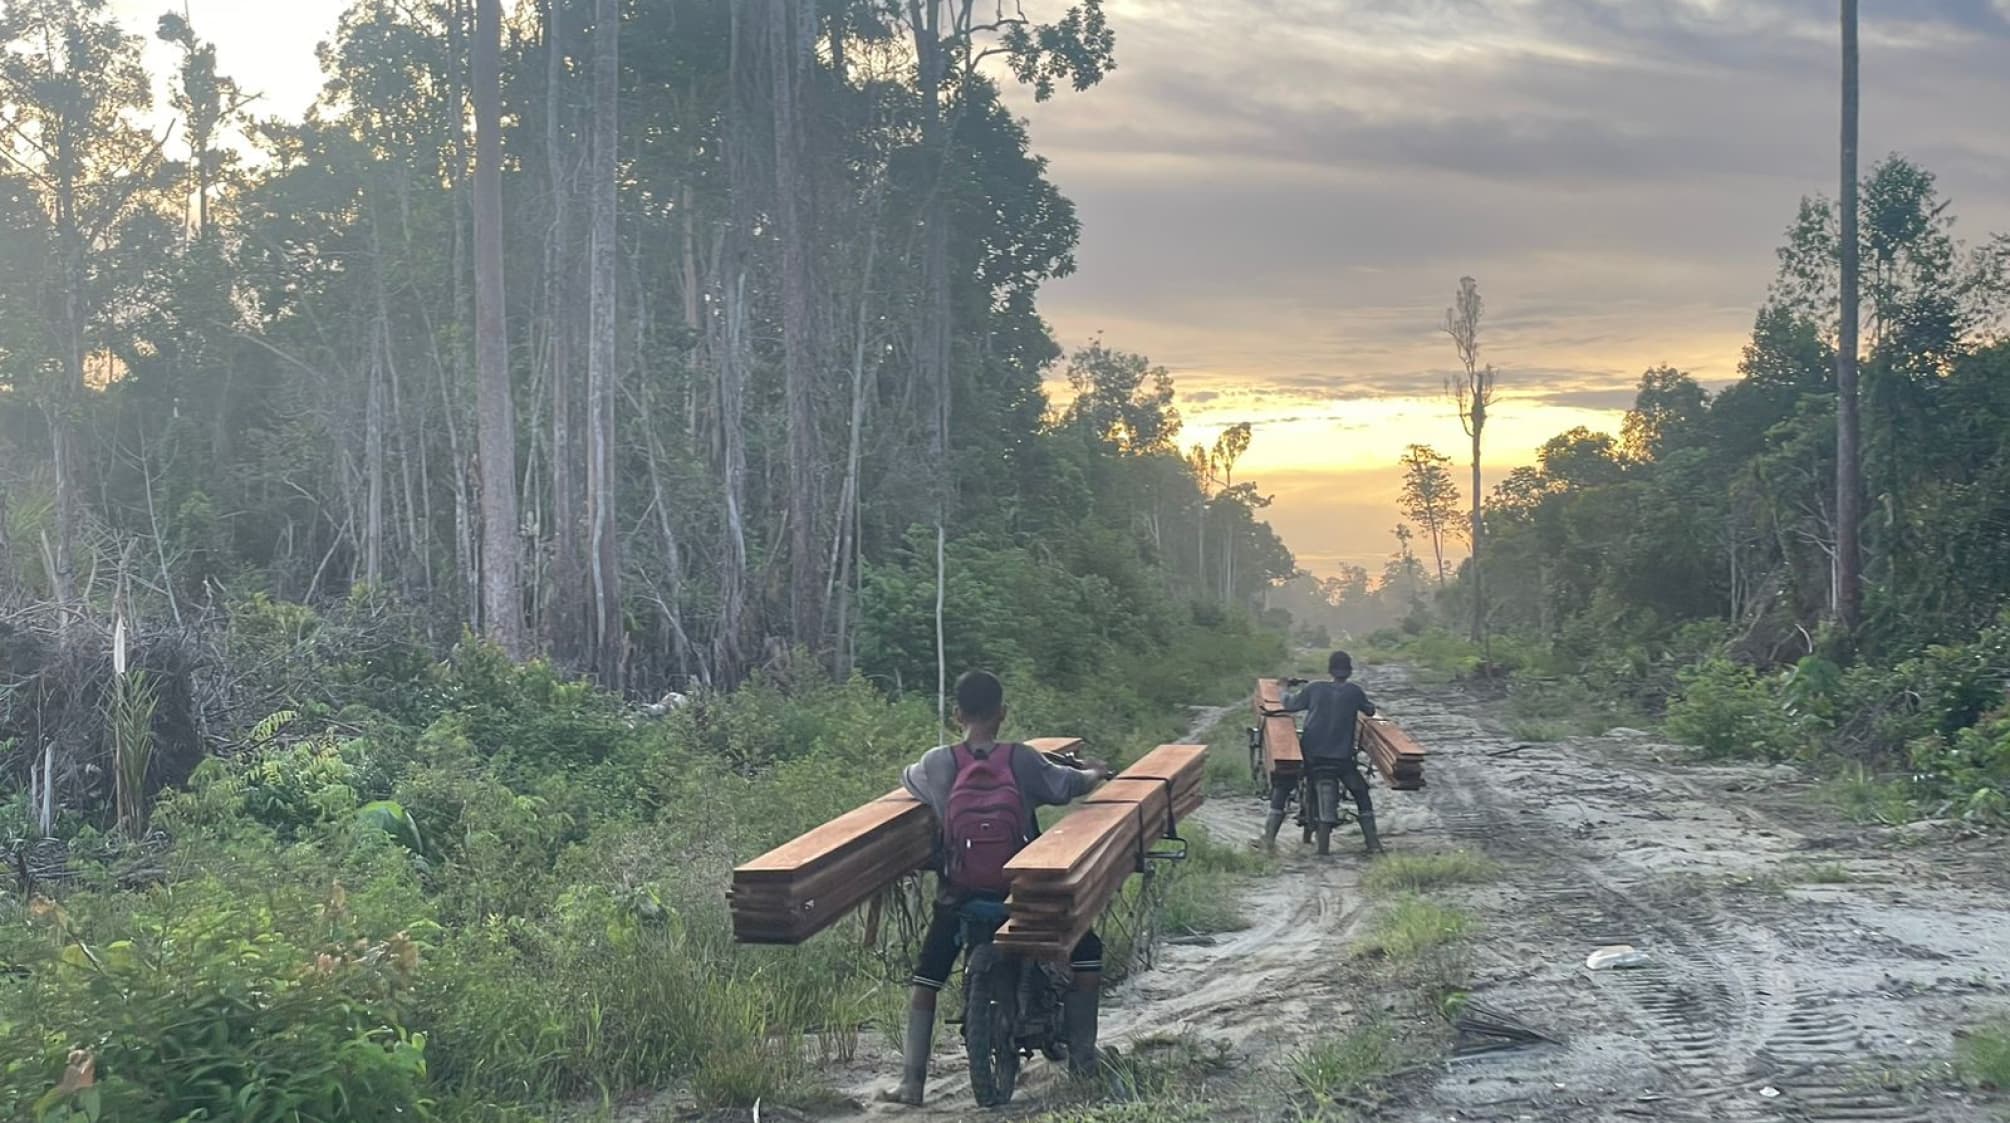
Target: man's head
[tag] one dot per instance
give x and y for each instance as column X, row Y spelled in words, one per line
column 980, row 702
column 1340, row 665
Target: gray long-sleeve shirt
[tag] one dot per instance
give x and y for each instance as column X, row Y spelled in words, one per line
column 1042, row 783
column 1335, row 708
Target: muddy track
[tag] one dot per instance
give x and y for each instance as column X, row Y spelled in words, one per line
column 1766, row 999
column 1759, row 1003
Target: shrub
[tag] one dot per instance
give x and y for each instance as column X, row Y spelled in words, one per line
column 222, row 1005
column 1728, row 710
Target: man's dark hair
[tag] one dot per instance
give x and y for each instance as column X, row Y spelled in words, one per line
column 1340, row 664
column 980, row 696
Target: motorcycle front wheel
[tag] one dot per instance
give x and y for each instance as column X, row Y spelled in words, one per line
column 990, row 1019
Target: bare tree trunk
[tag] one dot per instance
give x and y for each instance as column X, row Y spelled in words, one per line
column 69, row 501
column 373, row 460
column 502, row 606
column 932, row 349
column 728, row 657
column 9, row 574
column 564, row 604
column 467, row 563
column 1479, row 588
column 802, row 502
column 1849, row 465
column 693, row 310
column 604, row 545
column 847, row 511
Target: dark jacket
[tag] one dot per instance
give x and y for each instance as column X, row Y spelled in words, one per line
column 1335, row 709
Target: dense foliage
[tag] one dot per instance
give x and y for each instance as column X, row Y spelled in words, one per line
column 1692, row 555
column 289, row 836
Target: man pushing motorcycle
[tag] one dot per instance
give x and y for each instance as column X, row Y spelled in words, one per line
column 984, row 794
column 1329, row 746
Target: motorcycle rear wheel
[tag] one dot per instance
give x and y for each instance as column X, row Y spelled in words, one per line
column 990, row 1021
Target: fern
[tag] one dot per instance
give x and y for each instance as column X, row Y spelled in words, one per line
column 269, row 728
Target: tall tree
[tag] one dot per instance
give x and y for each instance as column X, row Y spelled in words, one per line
column 1228, row 448
column 1473, row 390
column 502, row 604
column 1849, row 456
column 603, row 541
column 1429, row 497
column 70, row 83
column 564, row 597
column 785, row 67
column 206, row 101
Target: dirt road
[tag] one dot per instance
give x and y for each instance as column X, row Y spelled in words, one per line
column 1800, row 969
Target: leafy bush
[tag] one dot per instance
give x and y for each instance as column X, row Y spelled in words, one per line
column 218, row 1004
column 1729, row 710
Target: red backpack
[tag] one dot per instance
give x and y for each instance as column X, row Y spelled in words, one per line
column 986, row 823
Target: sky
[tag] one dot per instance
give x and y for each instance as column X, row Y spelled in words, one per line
column 1278, row 198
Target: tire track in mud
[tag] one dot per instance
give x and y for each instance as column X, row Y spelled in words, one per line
column 1719, row 1009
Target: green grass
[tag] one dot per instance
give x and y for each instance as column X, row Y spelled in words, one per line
column 1228, row 755
column 1412, row 927
column 1340, row 1067
column 1423, row 871
column 1556, row 711
column 1170, row 1067
column 1202, row 899
column 1982, row 1056
column 1864, row 797
column 1827, row 873
column 1543, row 730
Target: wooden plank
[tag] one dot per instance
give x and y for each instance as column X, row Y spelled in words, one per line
column 1394, row 753
column 852, row 829
column 807, row 884
column 1282, row 754
column 1063, row 846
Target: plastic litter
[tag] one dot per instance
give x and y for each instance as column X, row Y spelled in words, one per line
column 1616, row 956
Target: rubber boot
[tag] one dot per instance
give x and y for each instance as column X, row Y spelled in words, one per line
column 1079, row 1011
column 1371, row 841
column 1271, row 826
column 1326, row 793
column 914, row 1059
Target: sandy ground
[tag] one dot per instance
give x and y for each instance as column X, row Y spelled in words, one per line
column 1768, row 997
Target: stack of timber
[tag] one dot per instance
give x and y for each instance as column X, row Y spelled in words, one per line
column 1396, row 754
column 1063, row 881
column 1281, row 753
column 808, row 884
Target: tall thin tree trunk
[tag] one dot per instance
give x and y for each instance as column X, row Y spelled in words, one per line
column 848, row 500
column 933, row 349
column 728, row 657
column 563, row 606
column 502, row 607
column 373, row 461
column 69, row 499
column 9, row 575
column 803, row 505
column 603, row 543
column 1479, row 588
column 454, row 376
column 1849, row 465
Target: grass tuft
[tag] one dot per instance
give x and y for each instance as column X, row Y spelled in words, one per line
column 1412, row 927
column 1338, row 1068
column 1170, row 1068
column 1423, row 871
column 1203, row 899
column 1827, row 873
column 1983, row 1056
column 1863, row 797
